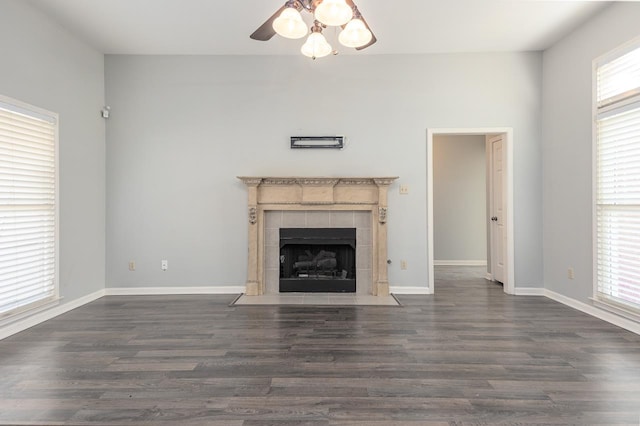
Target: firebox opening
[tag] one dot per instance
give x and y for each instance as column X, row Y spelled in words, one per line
column 318, row 260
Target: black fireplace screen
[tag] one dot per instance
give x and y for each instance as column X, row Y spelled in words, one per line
column 318, row 260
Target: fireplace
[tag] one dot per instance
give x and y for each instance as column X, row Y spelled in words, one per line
column 276, row 203
column 318, row 260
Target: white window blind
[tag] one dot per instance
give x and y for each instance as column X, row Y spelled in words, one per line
column 618, row 181
column 27, row 207
column 619, row 79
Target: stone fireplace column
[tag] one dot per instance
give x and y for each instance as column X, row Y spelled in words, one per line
column 381, row 286
column 253, row 284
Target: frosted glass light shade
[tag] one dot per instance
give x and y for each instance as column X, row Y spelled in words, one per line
column 333, row 12
column 316, row 46
column 290, row 24
column 355, row 34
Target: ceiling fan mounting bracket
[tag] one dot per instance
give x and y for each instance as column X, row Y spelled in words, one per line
column 317, row 26
column 308, row 5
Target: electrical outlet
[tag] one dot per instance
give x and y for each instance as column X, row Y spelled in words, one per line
column 404, row 189
column 570, row 273
column 165, row 265
column 132, row 265
column 403, row 264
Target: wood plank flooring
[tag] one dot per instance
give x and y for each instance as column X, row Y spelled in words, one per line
column 468, row 355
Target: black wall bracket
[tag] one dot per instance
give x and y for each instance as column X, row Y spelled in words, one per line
column 323, row 142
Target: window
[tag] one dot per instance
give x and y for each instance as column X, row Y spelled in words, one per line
column 617, row 182
column 28, row 207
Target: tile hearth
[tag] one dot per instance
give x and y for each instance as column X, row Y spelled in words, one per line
column 318, row 299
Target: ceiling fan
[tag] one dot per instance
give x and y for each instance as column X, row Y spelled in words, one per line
column 288, row 23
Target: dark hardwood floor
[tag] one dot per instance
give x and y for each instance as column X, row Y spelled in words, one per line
column 468, row 355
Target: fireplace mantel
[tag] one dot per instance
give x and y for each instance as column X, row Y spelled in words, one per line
column 270, row 193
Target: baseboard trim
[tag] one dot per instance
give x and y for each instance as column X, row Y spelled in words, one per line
column 459, row 263
column 609, row 317
column 35, row 319
column 488, row 276
column 151, row 291
column 530, row 291
column 410, row 290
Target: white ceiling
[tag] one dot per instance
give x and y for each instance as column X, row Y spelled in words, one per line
column 409, row 26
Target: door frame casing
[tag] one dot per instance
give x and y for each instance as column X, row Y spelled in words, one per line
column 509, row 284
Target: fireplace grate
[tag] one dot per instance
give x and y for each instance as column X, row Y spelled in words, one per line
column 318, row 260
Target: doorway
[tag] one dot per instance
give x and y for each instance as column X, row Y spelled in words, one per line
column 500, row 247
column 460, row 183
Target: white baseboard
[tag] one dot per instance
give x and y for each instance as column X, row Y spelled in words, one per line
column 595, row 312
column 530, row 291
column 150, row 291
column 33, row 320
column 459, row 263
column 410, row 290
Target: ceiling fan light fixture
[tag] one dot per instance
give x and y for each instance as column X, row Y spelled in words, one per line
column 316, row 46
column 290, row 24
column 333, row 12
column 355, row 34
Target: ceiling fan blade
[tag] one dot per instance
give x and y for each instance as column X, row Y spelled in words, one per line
column 373, row 37
column 266, row 31
column 352, row 5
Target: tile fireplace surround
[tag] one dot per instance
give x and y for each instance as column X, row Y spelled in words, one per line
column 317, row 202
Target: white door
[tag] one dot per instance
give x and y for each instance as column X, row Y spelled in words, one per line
column 497, row 229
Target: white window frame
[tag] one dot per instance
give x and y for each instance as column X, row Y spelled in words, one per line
column 616, row 104
column 25, row 310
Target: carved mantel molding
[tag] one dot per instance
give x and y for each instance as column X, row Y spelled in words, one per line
column 317, row 190
column 249, row 181
column 310, row 181
column 273, row 193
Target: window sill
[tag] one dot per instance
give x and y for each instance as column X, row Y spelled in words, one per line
column 51, row 303
column 615, row 309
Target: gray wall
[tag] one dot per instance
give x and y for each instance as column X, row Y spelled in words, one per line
column 567, row 142
column 184, row 127
column 459, row 198
column 44, row 66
